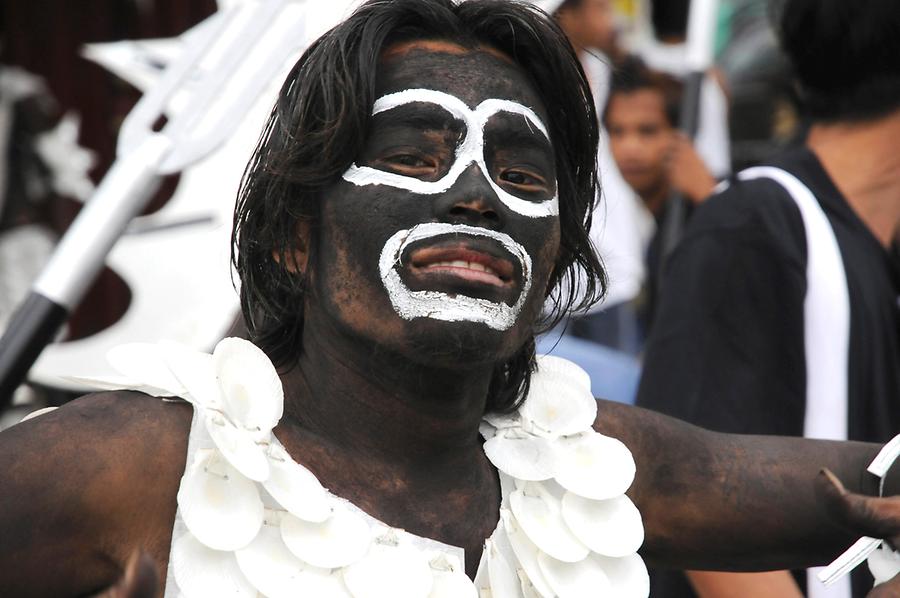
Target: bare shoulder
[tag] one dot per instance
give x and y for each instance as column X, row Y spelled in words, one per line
column 100, row 434
column 86, row 484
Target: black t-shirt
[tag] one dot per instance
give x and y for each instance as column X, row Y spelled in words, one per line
column 727, row 348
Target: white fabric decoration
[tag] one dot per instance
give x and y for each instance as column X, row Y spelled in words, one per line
column 285, row 535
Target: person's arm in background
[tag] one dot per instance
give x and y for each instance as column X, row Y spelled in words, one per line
column 687, row 172
column 772, row 584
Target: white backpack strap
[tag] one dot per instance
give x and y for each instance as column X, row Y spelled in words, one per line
column 826, row 325
column 826, row 313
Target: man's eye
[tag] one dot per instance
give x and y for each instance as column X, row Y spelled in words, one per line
column 408, row 160
column 410, row 164
column 526, row 180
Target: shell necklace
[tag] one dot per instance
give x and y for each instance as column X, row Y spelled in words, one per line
column 252, row 521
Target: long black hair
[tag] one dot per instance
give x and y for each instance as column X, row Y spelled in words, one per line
column 320, row 122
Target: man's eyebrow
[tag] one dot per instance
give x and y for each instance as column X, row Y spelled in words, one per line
column 418, row 115
column 526, row 134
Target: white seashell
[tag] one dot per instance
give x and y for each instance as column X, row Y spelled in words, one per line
column 517, row 483
column 500, row 537
column 486, row 430
column 220, row 507
column 551, row 364
column 340, row 540
column 556, row 407
column 526, row 554
column 884, row 564
column 504, row 420
column 452, row 584
column 449, row 580
column 576, row 580
column 277, row 573
column 296, row 488
column 113, row 382
column 610, row 527
column 237, row 446
column 201, row 572
column 554, row 489
column 143, row 363
column 628, row 575
column 252, row 394
column 445, row 562
column 37, row 413
column 539, row 515
column 504, row 583
column 482, row 576
column 528, row 590
column 389, row 569
column 521, row 455
column 196, row 372
column 593, row 465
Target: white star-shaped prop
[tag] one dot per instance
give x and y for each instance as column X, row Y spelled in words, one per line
column 176, row 260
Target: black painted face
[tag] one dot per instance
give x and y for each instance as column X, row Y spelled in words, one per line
column 439, row 241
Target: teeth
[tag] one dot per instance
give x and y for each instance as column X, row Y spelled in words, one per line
column 463, row 264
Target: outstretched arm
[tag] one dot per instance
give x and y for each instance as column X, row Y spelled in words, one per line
column 716, row 584
column 85, row 486
column 734, row 502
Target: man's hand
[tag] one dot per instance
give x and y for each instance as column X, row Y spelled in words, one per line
column 872, row 516
column 863, row 515
column 687, row 172
column 138, row 581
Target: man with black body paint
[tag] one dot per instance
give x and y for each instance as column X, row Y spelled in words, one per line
column 382, row 406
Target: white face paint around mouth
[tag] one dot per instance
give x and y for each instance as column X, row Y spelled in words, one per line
column 469, row 151
column 441, row 306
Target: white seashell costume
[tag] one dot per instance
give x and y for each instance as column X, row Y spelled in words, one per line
column 251, row 521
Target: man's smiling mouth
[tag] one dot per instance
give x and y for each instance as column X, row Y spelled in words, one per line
column 464, row 262
column 456, row 273
column 475, row 267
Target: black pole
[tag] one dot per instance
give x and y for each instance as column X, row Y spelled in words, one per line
column 672, row 226
column 31, row 328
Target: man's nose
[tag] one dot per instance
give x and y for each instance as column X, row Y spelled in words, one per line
column 470, row 200
column 631, row 143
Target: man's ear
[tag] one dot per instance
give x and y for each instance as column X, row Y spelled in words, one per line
column 297, row 260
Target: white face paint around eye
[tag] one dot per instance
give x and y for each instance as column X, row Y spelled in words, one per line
column 441, row 306
column 469, row 151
